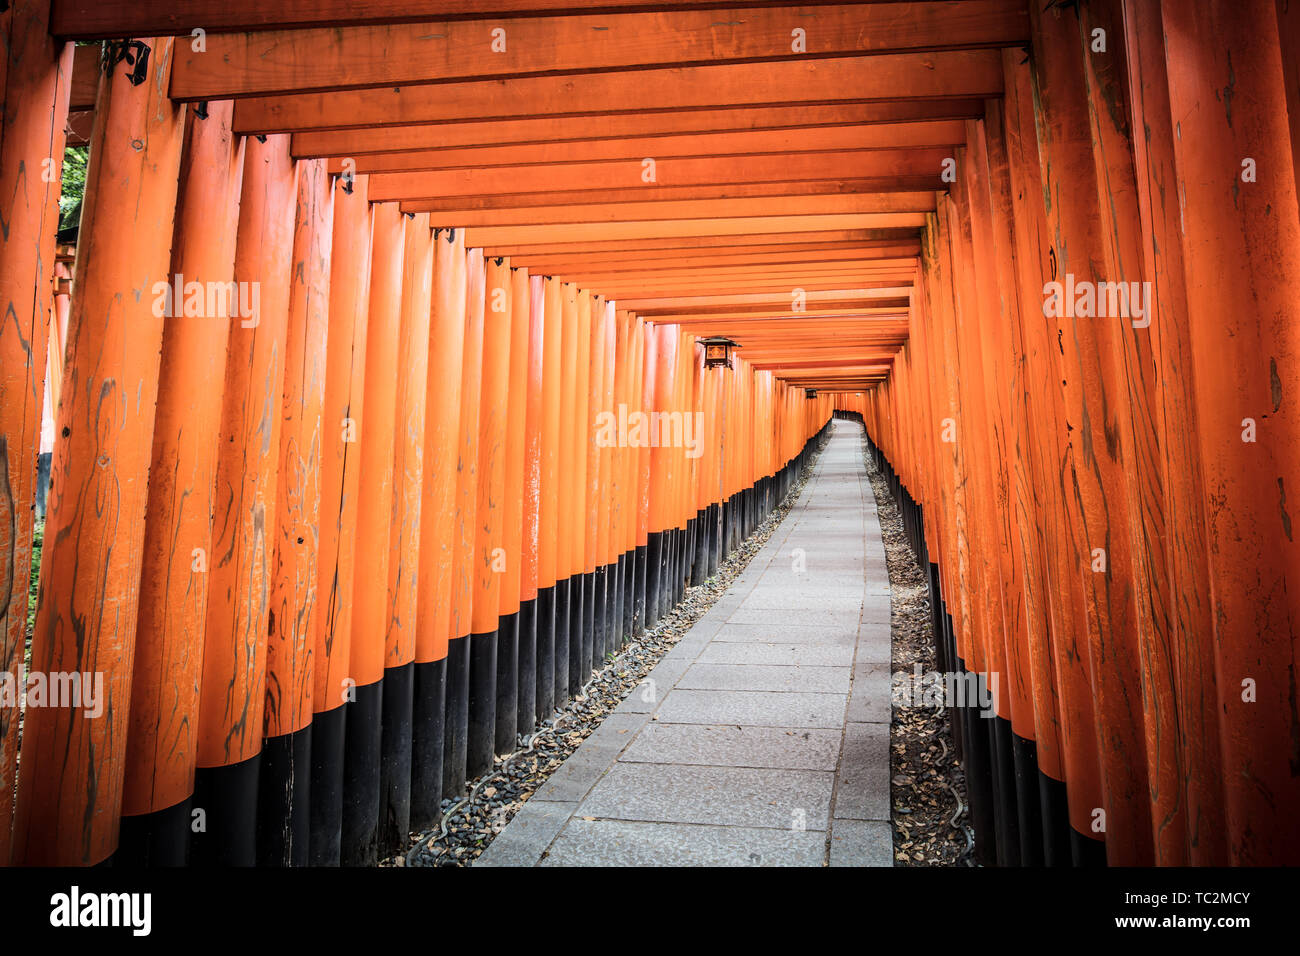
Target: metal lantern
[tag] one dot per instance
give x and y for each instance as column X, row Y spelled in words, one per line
column 717, row 351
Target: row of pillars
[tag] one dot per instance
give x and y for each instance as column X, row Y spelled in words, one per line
column 1108, row 495
column 339, row 507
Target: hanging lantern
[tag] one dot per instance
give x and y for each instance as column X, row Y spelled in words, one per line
column 717, row 351
column 810, row 392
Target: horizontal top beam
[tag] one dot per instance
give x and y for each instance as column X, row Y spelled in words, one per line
column 101, row 19
column 875, row 136
column 331, row 58
column 536, row 130
column 959, row 74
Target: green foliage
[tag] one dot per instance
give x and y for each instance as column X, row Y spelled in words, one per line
column 38, row 542
column 75, row 159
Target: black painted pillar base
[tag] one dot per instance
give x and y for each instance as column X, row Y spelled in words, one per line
column 482, row 714
column 617, row 604
column 654, row 577
column 630, row 574
column 665, row 591
column 600, row 616
column 700, row 551
column 681, row 564
column 1006, row 817
column 1024, row 755
column 563, row 641
column 227, row 797
column 577, row 636
column 284, row 800
column 979, row 783
column 428, row 739
column 544, row 626
column 715, row 538
column 1085, row 851
column 160, row 838
column 955, row 719
column 395, row 759
column 640, row 584
column 328, row 739
column 526, row 668
column 360, row 845
column 456, row 723
column 1056, row 821
column 507, row 709
column 588, row 626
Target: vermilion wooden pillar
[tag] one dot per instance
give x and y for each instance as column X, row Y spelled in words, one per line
column 566, row 492
column 511, row 634
column 1191, row 628
column 490, row 559
column 370, row 534
column 1288, row 28
column 35, row 80
column 341, row 421
column 1070, row 771
column 1097, row 481
column 401, row 631
column 594, row 568
column 232, row 697
column 639, row 465
column 1014, row 694
column 70, row 791
column 622, row 532
column 581, row 589
column 161, row 746
column 455, row 755
column 283, row 811
column 530, row 622
column 660, row 353
column 547, row 336
column 1038, row 757
column 1241, row 250
column 606, row 552
column 437, row 528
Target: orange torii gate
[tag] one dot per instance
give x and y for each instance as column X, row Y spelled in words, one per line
column 420, row 427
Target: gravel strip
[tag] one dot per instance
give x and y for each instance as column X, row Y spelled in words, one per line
column 469, row 825
column 927, row 785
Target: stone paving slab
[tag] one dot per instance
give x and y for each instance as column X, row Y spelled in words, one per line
column 788, row 678
column 752, row 652
column 753, row 708
column 619, row 843
column 861, row 843
column 722, row 796
column 784, row 748
column 784, row 634
column 797, row 617
column 762, row 737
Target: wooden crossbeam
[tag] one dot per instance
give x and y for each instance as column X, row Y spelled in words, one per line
column 330, row 58
column 687, row 209
column 686, row 269
column 838, row 296
column 758, row 239
column 784, row 287
column 725, row 256
column 85, row 79
column 959, row 74
column 572, row 199
column 880, row 136
column 537, row 130
column 495, row 238
column 99, row 19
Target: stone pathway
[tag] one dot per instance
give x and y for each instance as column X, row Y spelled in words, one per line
column 762, row 737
